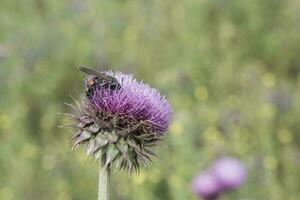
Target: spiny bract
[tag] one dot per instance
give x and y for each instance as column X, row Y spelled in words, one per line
column 121, row 126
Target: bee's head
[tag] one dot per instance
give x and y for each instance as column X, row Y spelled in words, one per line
column 90, row 82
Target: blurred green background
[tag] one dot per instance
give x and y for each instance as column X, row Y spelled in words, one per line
column 230, row 68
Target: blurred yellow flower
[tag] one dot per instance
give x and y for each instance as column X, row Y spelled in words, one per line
column 64, row 196
column 154, row 176
column 139, row 178
column 210, row 132
column 6, row 193
column 176, row 128
column 5, row 121
column 267, row 111
column 29, row 150
column 62, row 188
column 213, row 136
column 284, row 136
column 234, row 100
column 48, row 162
column 269, row 79
column 174, row 181
column 201, row 93
column 270, row 162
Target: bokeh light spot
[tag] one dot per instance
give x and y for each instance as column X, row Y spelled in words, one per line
column 270, row 162
column 284, row 136
column 29, row 151
column 201, row 93
column 6, row 193
column 5, row 121
column 154, row 176
column 267, row 111
column 176, row 128
column 213, row 136
column 64, row 196
column 48, row 162
column 140, row 178
column 234, row 100
column 269, row 79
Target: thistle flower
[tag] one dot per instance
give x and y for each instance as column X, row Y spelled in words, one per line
column 229, row 173
column 206, row 186
column 121, row 125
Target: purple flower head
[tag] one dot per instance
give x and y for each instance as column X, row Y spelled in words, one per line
column 135, row 100
column 229, row 172
column 122, row 117
column 206, row 186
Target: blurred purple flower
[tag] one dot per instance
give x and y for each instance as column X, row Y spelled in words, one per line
column 226, row 174
column 206, row 186
column 229, row 173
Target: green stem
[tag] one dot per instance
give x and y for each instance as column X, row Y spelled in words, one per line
column 103, row 187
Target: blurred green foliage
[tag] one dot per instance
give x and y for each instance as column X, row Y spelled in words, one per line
column 230, row 68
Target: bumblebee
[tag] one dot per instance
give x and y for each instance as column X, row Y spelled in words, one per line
column 99, row 80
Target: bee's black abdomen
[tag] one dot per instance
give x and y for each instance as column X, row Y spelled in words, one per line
column 115, row 86
column 90, row 93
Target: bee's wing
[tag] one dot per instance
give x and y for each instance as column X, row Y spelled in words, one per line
column 93, row 72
